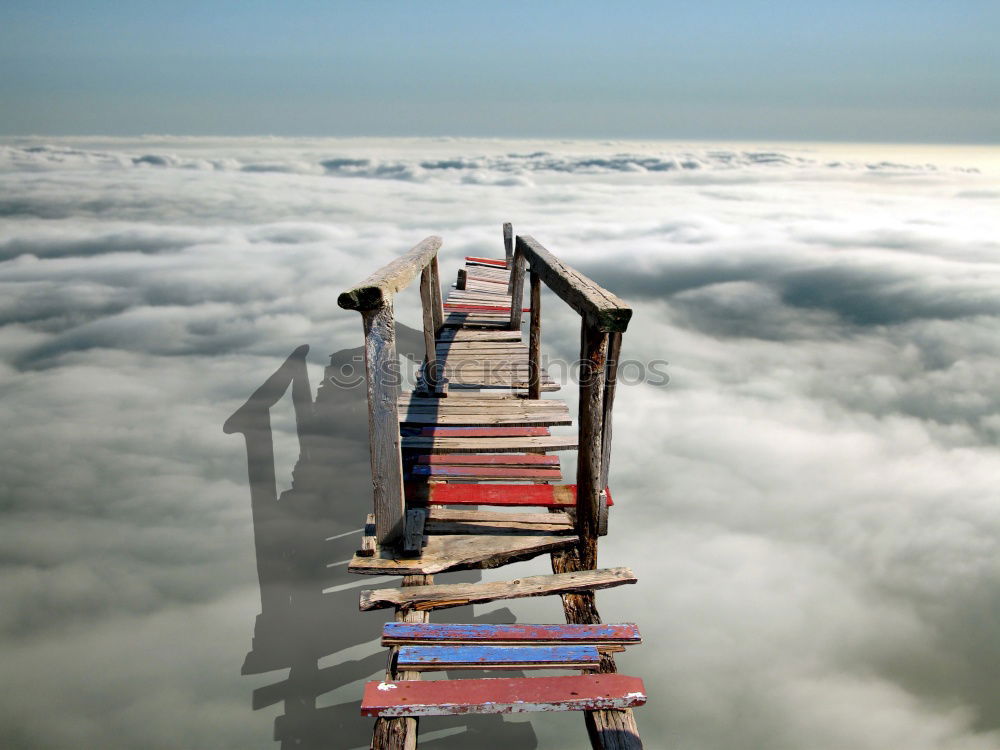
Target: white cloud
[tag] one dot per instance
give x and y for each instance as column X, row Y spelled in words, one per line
column 817, row 480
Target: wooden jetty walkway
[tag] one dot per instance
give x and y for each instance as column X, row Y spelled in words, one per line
column 455, row 465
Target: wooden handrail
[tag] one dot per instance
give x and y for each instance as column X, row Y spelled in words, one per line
column 377, row 289
column 599, row 307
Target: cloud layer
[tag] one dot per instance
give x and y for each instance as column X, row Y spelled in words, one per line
column 817, row 481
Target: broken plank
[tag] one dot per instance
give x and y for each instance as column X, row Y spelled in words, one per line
column 441, row 596
column 461, row 552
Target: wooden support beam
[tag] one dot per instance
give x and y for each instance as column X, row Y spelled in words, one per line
column 381, row 367
column 413, row 535
column 462, row 279
column 593, row 376
column 508, row 241
column 535, row 339
column 611, row 379
column 437, row 307
column 431, row 373
column 400, row 733
column 516, row 290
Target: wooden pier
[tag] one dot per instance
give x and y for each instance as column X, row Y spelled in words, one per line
column 464, row 477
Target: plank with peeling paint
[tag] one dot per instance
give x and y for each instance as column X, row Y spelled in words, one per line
column 502, row 695
column 487, row 444
column 404, row 633
column 542, row 495
column 478, row 656
column 486, row 473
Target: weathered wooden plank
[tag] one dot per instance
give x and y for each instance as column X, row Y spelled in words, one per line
column 462, row 279
column 402, row 633
column 542, row 495
column 436, row 304
column 471, row 418
column 496, row 262
column 377, row 290
column 508, row 242
column 481, row 431
column 451, row 515
column 461, row 552
column 502, row 695
column 496, row 525
column 492, row 459
column 463, row 335
column 383, row 421
column 489, row 444
column 611, row 379
column 481, row 656
column 598, row 306
column 485, row 473
column 458, row 594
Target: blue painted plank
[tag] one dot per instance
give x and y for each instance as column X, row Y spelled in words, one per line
column 406, row 632
column 497, row 657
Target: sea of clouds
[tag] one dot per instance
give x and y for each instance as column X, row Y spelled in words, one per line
column 810, row 504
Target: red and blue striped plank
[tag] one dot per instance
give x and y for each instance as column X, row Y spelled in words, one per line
column 489, row 472
column 544, row 495
column 491, row 459
column 481, row 431
column 427, row 658
column 417, row 633
column 502, row 695
column 488, row 261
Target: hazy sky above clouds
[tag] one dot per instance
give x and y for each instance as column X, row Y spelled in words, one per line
column 916, row 71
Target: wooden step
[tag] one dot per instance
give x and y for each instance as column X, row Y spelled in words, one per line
column 408, row 633
column 539, row 444
column 457, row 334
column 434, row 658
column 502, row 695
column 459, row 552
column 540, row 495
column 484, row 473
column 441, row 520
column 438, row 431
column 440, row 596
column 501, row 262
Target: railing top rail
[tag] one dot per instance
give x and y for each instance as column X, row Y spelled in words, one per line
column 597, row 305
column 377, row 289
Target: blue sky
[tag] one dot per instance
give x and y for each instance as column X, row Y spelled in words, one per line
column 877, row 71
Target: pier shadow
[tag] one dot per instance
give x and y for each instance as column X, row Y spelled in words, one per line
column 310, row 626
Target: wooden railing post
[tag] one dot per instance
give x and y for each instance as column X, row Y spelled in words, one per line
column 516, row 290
column 427, row 304
column 508, row 242
column 382, row 369
column 437, row 306
column 589, row 463
column 614, row 350
column 535, row 339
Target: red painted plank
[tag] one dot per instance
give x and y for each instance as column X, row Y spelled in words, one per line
column 491, row 261
column 502, row 695
column 491, row 472
column 545, row 495
column 394, row 633
column 491, row 459
column 482, row 431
